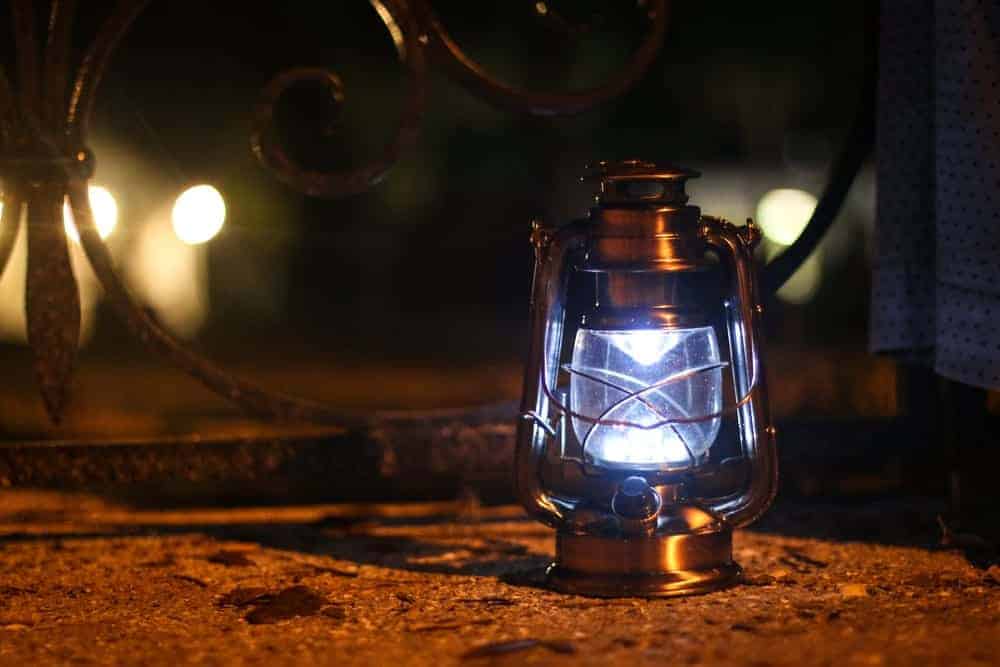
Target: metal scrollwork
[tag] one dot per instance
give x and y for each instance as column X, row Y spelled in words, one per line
column 405, row 32
column 45, row 114
column 481, row 83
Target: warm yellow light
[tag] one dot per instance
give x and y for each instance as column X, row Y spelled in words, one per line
column 105, row 209
column 170, row 276
column 13, row 327
column 783, row 214
column 199, row 214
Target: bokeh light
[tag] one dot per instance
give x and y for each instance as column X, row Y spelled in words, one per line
column 105, row 209
column 783, row 214
column 198, row 214
column 13, row 324
column 170, row 276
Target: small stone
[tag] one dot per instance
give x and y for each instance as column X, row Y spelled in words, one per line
column 758, row 579
column 854, row 590
column 289, row 603
column 14, row 626
column 743, row 627
column 335, row 612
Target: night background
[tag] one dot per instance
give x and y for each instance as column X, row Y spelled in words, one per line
column 431, row 268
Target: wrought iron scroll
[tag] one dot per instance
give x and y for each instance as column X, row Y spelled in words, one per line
column 45, row 113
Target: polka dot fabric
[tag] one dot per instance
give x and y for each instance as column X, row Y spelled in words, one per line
column 936, row 281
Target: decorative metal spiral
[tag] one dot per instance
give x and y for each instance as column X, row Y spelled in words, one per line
column 44, row 123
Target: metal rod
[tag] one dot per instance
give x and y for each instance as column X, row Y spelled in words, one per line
column 857, row 146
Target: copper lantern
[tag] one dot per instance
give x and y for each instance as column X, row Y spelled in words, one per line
column 643, row 440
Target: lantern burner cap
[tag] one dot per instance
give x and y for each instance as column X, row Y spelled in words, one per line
column 641, row 183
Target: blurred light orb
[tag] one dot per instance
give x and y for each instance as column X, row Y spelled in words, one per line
column 783, row 214
column 105, row 209
column 199, row 214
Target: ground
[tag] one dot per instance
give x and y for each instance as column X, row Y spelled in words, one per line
column 85, row 581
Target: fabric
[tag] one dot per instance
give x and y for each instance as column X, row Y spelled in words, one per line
column 936, row 279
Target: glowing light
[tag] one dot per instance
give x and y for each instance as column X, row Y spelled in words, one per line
column 199, row 214
column 170, row 276
column 611, row 366
column 638, row 446
column 105, row 209
column 13, row 325
column 647, row 346
column 783, row 214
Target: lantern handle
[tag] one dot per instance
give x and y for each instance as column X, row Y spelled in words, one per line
column 743, row 325
column 548, row 309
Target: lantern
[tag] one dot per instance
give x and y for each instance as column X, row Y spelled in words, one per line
column 645, row 436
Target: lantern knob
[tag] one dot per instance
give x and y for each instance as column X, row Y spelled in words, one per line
column 637, row 504
column 639, row 182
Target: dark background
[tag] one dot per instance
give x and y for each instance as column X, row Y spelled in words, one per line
column 431, row 268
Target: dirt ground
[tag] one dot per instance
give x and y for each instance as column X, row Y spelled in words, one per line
column 83, row 581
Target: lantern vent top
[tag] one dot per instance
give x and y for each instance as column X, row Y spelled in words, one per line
column 641, row 183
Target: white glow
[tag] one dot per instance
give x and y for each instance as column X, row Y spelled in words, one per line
column 638, row 446
column 646, row 346
column 198, row 214
column 610, row 367
column 783, row 214
column 105, row 209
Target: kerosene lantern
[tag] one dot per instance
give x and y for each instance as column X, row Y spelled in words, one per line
column 643, row 439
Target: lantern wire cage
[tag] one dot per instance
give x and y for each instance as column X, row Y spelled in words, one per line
column 563, row 411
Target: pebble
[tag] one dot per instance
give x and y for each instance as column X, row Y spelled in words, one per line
column 854, row 590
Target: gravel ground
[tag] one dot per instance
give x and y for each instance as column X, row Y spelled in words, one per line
column 84, row 581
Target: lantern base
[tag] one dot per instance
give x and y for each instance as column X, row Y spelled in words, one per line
column 656, row 566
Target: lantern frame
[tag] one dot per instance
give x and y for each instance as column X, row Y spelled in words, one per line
column 671, row 539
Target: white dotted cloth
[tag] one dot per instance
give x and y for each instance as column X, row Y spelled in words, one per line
column 936, row 282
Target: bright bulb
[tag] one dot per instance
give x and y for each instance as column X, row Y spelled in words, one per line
column 105, row 210
column 783, row 214
column 645, row 346
column 199, row 214
column 608, row 366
